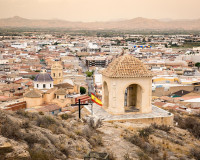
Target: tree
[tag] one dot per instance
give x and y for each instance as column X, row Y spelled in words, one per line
column 89, row 74
column 82, row 90
column 197, row 64
column 32, row 77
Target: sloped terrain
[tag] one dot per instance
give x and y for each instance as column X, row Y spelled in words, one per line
column 33, row 136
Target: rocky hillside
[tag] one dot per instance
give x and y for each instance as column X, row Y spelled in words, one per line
column 40, row 137
column 132, row 24
column 32, row 136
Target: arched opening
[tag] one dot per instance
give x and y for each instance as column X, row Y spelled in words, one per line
column 106, row 95
column 133, row 98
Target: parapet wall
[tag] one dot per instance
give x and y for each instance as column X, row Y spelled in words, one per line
column 156, row 120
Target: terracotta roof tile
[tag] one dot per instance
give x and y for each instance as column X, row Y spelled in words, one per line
column 61, row 91
column 33, row 94
column 126, row 66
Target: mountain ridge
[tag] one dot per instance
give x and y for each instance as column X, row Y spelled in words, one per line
column 138, row 23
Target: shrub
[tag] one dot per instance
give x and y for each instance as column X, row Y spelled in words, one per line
column 31, row 138
column 39, row 155
column 142, row 156
column 92, row 124
column 135, row 139
column 41, row 113
column 111, row 156
column 195, row 152
column 145, row 146
column 87, row 132
column 88, row 73
column 64, row 150
column 98, row 140
column 25, row 124
column 162, row 127
column 45, row 121
column 66, row 116
column 191, row 124
column 82, row 90
column 10, row 129
column 145, row 132
column 22, row 113
column 126, row 157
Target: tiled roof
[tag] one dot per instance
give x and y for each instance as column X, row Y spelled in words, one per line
column 43, row 77
column 61, row 91
column 50, row 90
column 48, row 108
column 32, row 94
column 64, row 85
column 126, row 66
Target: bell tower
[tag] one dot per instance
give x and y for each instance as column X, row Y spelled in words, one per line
column 57, row 72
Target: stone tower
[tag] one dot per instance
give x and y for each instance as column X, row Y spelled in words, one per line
column 57, row 72
column 127, row 86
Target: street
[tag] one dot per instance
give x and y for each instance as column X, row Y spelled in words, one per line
column 89, row 80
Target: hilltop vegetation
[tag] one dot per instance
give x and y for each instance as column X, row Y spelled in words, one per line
column 33, row 136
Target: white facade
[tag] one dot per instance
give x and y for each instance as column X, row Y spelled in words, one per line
column 43, row 85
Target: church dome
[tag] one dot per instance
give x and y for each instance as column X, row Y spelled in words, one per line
column 43, row 77
column 126, row 66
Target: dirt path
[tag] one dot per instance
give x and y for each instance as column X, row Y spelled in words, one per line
column 115, row 143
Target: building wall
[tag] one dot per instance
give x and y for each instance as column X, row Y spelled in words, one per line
column 162, row 92
column 116, row 89
column 62, row 102
column 31, row 102
column 49, row 97
column 39, row 85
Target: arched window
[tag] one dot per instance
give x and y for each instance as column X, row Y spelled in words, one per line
column 54, row 74
column 59, row 74
column 132, row 98
column 44, row 85
column 37, row 85
column 50, row 85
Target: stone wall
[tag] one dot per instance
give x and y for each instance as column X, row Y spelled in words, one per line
column 116, row 89
column 157, row 120
column 31, row 102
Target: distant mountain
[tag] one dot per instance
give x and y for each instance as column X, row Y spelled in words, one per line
column 132, row 24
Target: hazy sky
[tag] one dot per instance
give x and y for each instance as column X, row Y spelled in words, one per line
column 100, row 10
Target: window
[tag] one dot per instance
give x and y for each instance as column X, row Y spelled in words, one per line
column 59, row 74
column 37, row 85
column 50, row 85
column 54, row 74
column 57, row 97
column 44, row 85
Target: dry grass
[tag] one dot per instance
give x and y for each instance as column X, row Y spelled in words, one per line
column 49, row 137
